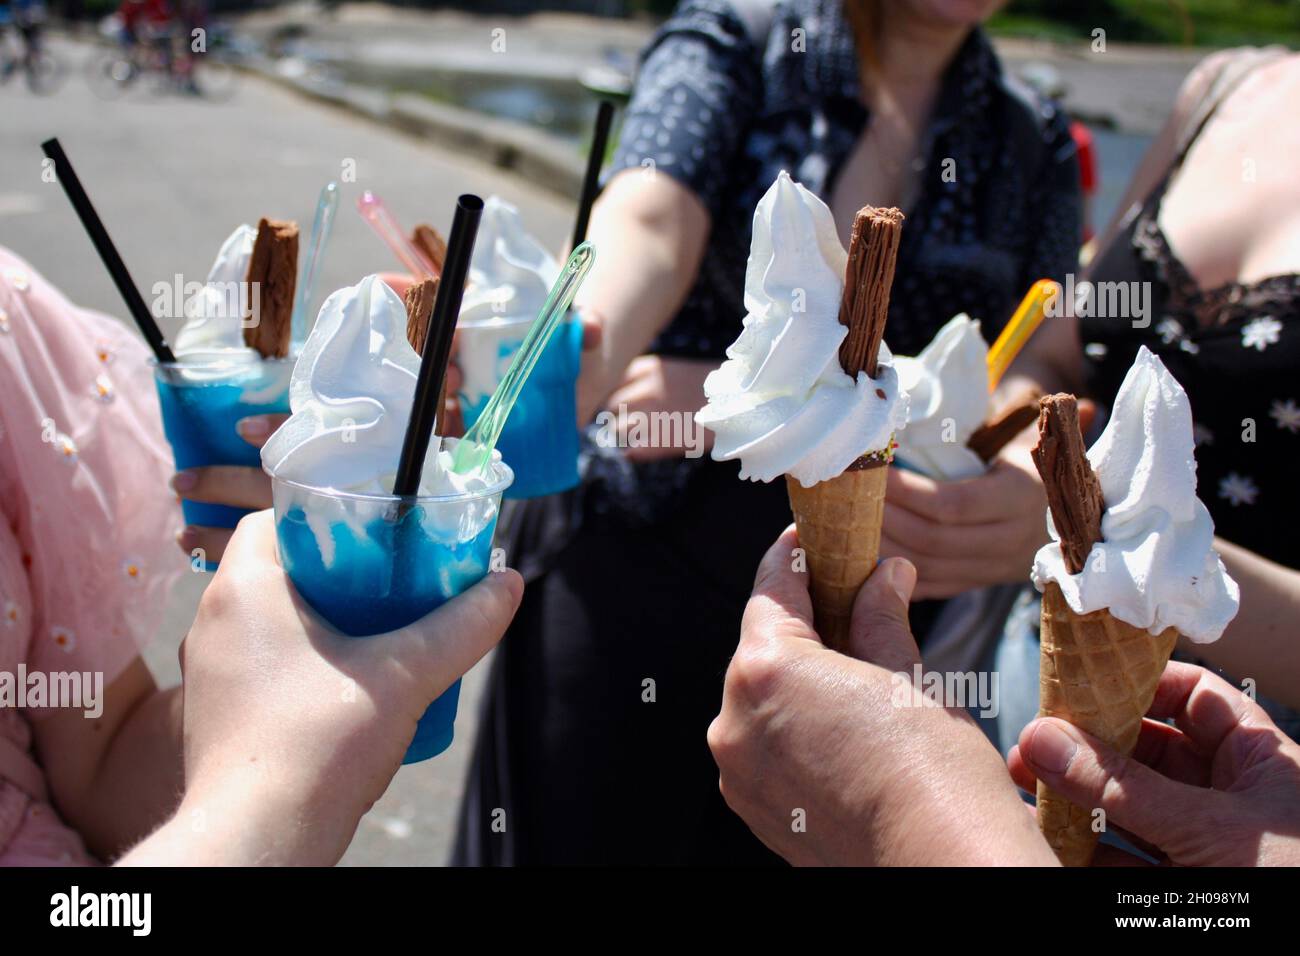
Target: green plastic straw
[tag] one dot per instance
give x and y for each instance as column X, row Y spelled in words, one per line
column 474, row 451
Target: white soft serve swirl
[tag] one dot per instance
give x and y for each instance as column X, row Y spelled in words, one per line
column 1156, row 566
column 351, row 396
column 781, row 403
column 510, row 272
column 214, row 319
column 947, row 388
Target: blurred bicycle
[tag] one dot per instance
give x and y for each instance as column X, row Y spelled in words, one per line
column 162, row 51
column 22, row 48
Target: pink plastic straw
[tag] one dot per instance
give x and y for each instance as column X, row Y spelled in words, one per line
column 374, row 212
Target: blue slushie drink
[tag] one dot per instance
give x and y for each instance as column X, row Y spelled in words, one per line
column 216, row 379
column 364, row 560
column 509, row 278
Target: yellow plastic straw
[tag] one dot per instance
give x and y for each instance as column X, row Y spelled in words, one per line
column 1028, row 317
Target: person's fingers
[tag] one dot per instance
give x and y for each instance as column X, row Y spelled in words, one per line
column 453, row 419
column 1024, row 778
column 399, row 282
column 1164, row 749
column 640, row 383
column 880, row 633
column 454, row 379
column 1167, row 750
column 652, row 451
column 1021, row 775
column 234, row 485
column 1087, row 411
column 208, row 543
column 449, row 641
column 253, row 541
column 986, row 498
column 925, row 536
column 1090, row 774
column 941, row 577
column 780, row 602
column 593, row 330
column 1203, row 705
column 256, row 429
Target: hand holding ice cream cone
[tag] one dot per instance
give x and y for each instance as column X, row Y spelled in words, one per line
column 809, row 391
column 1130, row 568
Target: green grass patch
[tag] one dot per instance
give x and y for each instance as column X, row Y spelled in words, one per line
column 1208, row 23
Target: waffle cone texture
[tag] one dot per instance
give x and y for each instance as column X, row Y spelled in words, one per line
column 839, row 529
column 1099, row 674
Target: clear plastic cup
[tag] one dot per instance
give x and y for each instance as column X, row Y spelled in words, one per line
column 201, row 403
column 540, row 438
column 369, row 564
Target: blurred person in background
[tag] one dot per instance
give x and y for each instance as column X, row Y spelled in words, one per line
column 592, row 747
column 143, row 20
column 27, row 17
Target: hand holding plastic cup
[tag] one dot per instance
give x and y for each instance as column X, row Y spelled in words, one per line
column 367, row 548
column 368, row 564
column 202, row 404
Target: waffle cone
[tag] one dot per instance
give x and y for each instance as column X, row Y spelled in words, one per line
column 1099, row 674
column 839, row 529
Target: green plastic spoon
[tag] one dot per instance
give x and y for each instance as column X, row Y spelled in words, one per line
column 474, row 451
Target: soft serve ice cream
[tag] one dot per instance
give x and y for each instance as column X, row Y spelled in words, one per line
column 351, row 396
column 1156, row 566
column 781, row 402
column 947, row 386
column 510, row 276
column 214, row 319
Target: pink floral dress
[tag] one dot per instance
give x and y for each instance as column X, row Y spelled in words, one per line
column 87, row 524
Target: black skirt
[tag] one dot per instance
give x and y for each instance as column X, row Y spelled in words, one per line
column 592, row 746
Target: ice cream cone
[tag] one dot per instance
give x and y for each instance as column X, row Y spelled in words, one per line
column 839, row 530
column 839, row 519
column 1099, row 674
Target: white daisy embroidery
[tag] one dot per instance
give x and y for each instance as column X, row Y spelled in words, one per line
column 66, row 447
column 1287, row 415
column 18, row 280
column 4, row 321
column 1238, row 489
column 1169, row 330
column 132, row 569
column 104, row 352
column 1261, row 333
column 103, row 389
column 64, row 639
column 1202, row 436
column 11, row 613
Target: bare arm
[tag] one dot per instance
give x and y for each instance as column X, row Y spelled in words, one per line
column 1260, row 643
column 650, row 231
column 1053, row 359
column 115, row 778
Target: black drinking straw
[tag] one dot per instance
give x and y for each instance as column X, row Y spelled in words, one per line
column 107, row 251
column 437, row 349
column 591, row 182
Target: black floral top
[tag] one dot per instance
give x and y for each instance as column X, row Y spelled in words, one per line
column 724, row 117
column 1236, row 351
